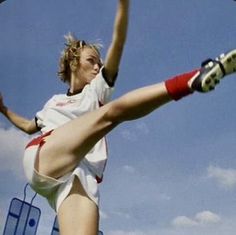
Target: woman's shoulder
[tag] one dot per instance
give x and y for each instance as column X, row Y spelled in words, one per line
column 56, row 97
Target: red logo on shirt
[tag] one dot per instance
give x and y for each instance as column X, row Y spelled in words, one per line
column 61, row 104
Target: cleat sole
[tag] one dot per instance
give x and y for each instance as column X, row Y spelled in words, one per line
column 212, row 71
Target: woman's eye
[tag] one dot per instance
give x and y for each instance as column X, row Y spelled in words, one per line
column 94, row 61
column 90, row 60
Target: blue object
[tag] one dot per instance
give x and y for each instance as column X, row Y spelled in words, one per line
column 23, row 217
column 55, row 228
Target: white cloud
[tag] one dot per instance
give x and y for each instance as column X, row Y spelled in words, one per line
column 183, row 221
column 142, row 127
column 132, row 133
column 103, row 215
column 128, row 135
column 224, row 177
column 129, row 169
column 122, row 214
column 226, row 227
column 119, row 232
column 207, row 217
column 201, row 218
column 12, row 143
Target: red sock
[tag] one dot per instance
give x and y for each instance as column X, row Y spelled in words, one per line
column 177, row 86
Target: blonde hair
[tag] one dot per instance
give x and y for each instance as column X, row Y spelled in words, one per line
column 71, row 53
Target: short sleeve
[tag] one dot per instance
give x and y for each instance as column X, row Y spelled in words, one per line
column 36, row 123
column 39, row 117
column 102, row 89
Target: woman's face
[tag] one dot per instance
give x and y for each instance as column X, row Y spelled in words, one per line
column 89, row 65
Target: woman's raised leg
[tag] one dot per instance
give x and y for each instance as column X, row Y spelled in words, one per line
column 68, row 144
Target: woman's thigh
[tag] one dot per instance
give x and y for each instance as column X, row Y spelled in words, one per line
column 78, row 214
column 68, row 144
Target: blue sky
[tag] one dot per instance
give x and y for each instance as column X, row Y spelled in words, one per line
column 171, row 173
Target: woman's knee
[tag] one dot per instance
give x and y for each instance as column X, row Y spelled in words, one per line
column 115, row 112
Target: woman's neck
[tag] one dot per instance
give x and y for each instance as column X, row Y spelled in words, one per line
column 76, row 86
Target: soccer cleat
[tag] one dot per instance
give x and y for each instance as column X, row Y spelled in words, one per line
column 212, row 71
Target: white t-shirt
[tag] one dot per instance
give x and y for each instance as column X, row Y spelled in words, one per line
column 62, row 108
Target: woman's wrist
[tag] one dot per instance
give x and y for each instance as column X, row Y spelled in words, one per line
column 4, row 109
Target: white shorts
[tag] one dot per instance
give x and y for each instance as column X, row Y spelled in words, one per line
column 56, row 190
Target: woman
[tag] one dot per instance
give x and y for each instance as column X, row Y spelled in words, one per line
column 66, row 163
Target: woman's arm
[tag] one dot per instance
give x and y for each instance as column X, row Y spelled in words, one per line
column 28, row 126
column 113, row 57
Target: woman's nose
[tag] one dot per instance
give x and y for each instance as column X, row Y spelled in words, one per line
column 96, row 67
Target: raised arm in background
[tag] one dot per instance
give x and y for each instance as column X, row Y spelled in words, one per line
column 113, row 57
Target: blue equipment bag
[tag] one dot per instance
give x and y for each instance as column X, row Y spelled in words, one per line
column 23, row 217
column 55, row 228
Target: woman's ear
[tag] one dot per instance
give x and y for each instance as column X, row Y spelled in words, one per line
column 73, row 65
